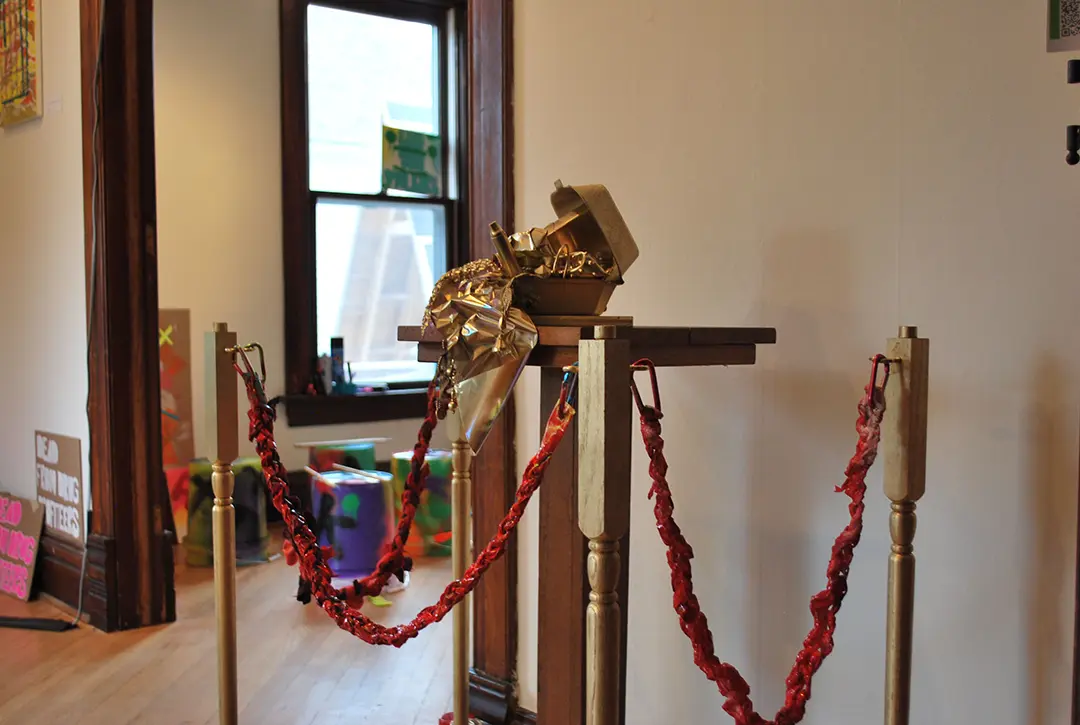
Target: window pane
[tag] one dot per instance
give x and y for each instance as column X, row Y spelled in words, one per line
column 364, row 71
column 376, row 264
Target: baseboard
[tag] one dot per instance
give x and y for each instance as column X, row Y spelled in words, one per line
column 165, row 546
column 64, row 608
column 490, row 698
column 59, row 568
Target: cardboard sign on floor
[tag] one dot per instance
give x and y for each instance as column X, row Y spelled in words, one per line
column 20, row 532
column 60, row 484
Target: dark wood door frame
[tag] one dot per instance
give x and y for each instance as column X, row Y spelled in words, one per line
column 487, row 57
column 129, row 579
column 491, row 195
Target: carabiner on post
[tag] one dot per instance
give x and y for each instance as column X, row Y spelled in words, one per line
column 242, row 363
column 646, row 365
column 879, row 361
column 568, row 392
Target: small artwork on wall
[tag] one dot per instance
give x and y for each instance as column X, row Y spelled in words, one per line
column 1063, row 26
column 20, row 77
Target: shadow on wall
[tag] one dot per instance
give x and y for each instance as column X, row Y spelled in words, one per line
column 1048, row 495
column 803, row 440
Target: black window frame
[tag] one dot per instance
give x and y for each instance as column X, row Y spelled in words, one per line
column 401, row 401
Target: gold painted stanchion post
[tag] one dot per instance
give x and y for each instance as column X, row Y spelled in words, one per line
column 604, row 432
column 223, row 436
column 903, row 434
column 461, row 483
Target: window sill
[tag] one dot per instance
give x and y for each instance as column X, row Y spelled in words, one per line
column 310, row 410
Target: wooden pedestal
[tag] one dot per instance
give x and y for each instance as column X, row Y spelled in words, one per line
column 596, row 503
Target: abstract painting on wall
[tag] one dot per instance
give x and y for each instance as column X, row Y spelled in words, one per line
column 20, row 78
column 177, row 430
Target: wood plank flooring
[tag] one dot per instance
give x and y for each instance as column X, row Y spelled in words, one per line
column 296, row 666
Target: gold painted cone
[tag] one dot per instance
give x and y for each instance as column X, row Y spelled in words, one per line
column 481, row 398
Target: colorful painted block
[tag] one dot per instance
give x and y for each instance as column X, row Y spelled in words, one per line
column 360, row 456
column 249, row 498
column 354, row 516
column 431, row 530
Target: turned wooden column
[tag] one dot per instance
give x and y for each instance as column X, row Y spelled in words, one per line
column 603, row 511
column 903, row 434
column 223, row 425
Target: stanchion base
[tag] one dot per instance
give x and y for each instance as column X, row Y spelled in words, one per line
column 448, row 719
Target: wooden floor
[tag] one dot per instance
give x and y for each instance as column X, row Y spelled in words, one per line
column 296, row 666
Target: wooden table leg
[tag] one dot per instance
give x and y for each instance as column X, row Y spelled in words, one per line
column 563, row 587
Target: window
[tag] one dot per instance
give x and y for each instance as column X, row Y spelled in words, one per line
column 364, row 248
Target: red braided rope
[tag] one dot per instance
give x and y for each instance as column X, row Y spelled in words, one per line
column 312, row 557
column 823, row 606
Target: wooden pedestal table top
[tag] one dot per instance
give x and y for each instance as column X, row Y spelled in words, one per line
column 665, row 346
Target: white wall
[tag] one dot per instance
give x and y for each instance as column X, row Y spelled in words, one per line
column 43, row 377
column 218, row 118
column 834, row 169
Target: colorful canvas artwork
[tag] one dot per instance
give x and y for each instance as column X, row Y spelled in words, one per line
column 174, row 343
column 178, row 481
column 20, row 80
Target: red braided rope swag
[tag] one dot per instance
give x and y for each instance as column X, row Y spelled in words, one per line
column 823, row 606
column 312, row 557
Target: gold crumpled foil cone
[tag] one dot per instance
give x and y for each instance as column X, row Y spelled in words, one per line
column 487, row 342
column 481, row 398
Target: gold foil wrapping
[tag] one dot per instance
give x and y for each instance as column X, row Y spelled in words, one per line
column 474, row 316
column 544, row 255
column 486, row 340
column 481, row 310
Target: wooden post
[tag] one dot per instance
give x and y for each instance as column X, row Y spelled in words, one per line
column 222, row 421
column 603, row 511
column 903, row 433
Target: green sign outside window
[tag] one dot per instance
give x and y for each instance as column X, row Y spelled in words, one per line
column 412, row 162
